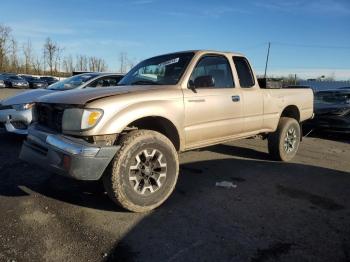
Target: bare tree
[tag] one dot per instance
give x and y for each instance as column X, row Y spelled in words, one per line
column 58, row 58
column 68, row 64
column 4, row 46
column 123, row 58
column 26, row 61
column 51, row 52
column 28, row 56
column 82, row 63
column 93, row 63
column 131, row 63
column 102, row 66
column 125, row 62
column 37, row 65
column 14, row 61
column 97, row 64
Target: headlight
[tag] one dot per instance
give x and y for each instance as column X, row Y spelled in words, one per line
column 2, row 83
column 22, row 107
column 75, row 119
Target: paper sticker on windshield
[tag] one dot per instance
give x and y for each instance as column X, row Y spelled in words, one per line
column 169, row 62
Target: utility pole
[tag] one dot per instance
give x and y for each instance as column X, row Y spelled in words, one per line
column 267, row 59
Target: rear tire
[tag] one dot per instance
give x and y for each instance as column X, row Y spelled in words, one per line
column 283, row 144
column 144, row 171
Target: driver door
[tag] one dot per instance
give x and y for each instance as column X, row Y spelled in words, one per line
column 213, row 110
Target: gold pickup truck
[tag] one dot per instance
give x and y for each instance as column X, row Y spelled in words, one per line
column 129, row 136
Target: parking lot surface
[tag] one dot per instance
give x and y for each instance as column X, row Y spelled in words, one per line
column 8, row 92
column 298, row 211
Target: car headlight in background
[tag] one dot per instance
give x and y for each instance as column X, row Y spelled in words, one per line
column 75, row 119
column 2, row 83
column 23, row 107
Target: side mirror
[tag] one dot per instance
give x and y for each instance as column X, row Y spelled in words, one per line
column 204, row 81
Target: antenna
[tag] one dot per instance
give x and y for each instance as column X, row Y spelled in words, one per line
column 267, row 59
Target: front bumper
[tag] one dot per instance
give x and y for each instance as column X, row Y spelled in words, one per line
column 65, row 155
column 37, row 85
column 17, row 85
column 15, row 121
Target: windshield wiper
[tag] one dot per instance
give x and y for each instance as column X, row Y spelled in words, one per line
column 144, row 82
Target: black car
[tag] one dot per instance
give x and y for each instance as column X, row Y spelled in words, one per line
column 35, row 82
column 49, row 79
column 13, row 81
column 332, row 111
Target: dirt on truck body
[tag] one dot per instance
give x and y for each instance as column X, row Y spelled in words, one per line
column 130, row 136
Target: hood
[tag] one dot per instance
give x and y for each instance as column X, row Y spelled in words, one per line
column 83, row 96
column 36, row 81
column 25, row 97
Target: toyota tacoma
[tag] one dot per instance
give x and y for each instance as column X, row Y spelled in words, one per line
column 130, row 136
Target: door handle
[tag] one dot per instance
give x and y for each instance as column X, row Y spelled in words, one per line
column 196, row 100
column 235, row 98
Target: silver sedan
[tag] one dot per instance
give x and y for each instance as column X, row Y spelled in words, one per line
column 17, row 112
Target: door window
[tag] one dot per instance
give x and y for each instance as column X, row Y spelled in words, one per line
column 212, row 71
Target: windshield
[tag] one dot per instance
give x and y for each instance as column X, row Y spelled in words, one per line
column 30, row 78
column 72, row 82
column 15, row 77
column 159, row 70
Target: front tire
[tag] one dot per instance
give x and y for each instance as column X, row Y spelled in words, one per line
column 144, row 171
column 283, row 144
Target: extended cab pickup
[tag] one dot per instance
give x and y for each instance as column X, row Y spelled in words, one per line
column 129, row 136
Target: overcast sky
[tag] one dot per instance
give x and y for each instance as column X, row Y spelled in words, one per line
column 310, row 38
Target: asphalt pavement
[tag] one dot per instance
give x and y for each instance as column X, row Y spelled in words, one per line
column 8, row 92
column 298, row 211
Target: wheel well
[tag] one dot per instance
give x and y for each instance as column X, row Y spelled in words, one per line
column 161, row 125
column 291, row 111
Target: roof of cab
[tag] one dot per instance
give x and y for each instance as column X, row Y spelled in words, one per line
column 204, row 51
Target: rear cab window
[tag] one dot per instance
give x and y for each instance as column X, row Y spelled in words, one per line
column 244, row 72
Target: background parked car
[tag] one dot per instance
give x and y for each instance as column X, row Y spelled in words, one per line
column 17, row 112
column 34, row 82
column 49, row 79
column 14, row 81
column 332, row 111
column 87, row 80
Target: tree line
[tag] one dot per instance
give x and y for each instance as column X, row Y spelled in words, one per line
column 21, row 58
